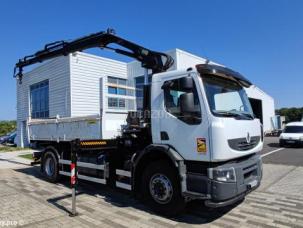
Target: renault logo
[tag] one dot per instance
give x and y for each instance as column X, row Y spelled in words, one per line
column 248, row 138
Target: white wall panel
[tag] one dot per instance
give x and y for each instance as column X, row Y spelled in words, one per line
column 57, row 72
column 86, row 72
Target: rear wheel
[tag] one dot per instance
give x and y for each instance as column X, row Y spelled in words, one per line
column 50, row 167
column 161, row 188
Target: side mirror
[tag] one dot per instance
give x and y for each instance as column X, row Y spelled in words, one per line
column 187, row 83
column 187, row 105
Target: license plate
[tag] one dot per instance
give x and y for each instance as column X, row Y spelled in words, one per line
column 290, row 141
column 253, row 184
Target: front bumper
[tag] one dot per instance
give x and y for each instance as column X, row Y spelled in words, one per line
column 219, row 194
column 295, row 142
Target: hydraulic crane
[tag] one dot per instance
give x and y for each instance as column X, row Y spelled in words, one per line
column 150, row 60
column 156, row 61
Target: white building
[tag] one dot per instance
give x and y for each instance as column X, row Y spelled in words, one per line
column 97, row 94
column 82, row 86
column 262, row 104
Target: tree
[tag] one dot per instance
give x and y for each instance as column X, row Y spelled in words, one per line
column 291, row 114
column 7, row 127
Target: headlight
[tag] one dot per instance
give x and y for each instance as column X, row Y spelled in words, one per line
column 222, row 174
column 301, row 138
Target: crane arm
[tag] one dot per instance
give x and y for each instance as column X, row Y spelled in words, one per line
column 156, row 61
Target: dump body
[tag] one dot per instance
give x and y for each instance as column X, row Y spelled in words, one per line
column 65, row 129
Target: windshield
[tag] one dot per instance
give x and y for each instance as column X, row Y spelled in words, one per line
column 226, row 97
column 293, row 129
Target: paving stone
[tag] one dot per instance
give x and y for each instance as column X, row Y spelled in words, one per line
column 291, row 184
column 34, row 202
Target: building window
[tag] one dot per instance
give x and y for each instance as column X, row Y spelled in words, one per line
column 117, row 81
column 112, row 90
column 39, row 96
column 121, row 103
column 118, row 91
column 112, row 102
column 117, row 87
column 123, row 90
column 139, row 81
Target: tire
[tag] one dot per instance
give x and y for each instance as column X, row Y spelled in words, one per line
column 50, row 167
column 161, row 190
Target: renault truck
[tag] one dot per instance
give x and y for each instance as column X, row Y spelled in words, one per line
column 195, row 139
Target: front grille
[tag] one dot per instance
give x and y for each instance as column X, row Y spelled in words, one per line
column 242, row 145
column 250, row 172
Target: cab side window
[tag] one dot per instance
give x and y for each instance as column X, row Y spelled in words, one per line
column 181, row 100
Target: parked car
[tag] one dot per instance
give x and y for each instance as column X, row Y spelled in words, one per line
column 8, row 139
column 3, row 138
column 292, row 134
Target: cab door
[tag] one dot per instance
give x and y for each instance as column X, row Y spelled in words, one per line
column 184, row 124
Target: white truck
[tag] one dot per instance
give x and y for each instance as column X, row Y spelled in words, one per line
column 196, row 138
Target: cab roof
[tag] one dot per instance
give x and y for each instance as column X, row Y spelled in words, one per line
column 223, row 71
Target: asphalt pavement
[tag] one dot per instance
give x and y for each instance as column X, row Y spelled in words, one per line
column 272, row 153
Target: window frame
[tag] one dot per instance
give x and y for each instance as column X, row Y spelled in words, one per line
column 139, row 87
column 193, row 120
column 39, row 90
column 204, row 78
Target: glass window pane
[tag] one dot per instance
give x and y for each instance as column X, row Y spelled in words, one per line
column 112, row 102
column 112, row 80
column 172, row 97
column 121, row 103
column 139, row 80
column 130, row 92
column 39, row 96
column 121, row 91
column 139, row 102
column 112, row 90
column 121, row 81
column 139, row 91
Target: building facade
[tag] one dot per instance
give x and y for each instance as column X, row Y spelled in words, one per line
column 74, row 86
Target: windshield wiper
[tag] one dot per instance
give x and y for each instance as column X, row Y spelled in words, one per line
column 247, row 115
column 234, row 114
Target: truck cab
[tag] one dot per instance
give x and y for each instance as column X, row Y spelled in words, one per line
column 205, row 115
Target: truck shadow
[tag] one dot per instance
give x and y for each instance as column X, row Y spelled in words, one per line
column 277, row 145
column 274, row 145
column 195, row 212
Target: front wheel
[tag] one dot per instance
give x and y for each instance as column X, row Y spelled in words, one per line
column 161, row 188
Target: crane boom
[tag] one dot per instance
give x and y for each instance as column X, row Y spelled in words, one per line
column 156, row 61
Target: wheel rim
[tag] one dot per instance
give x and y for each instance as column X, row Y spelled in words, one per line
column 49, row 166
column 161, row 188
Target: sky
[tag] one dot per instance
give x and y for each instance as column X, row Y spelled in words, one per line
column 261, row 39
